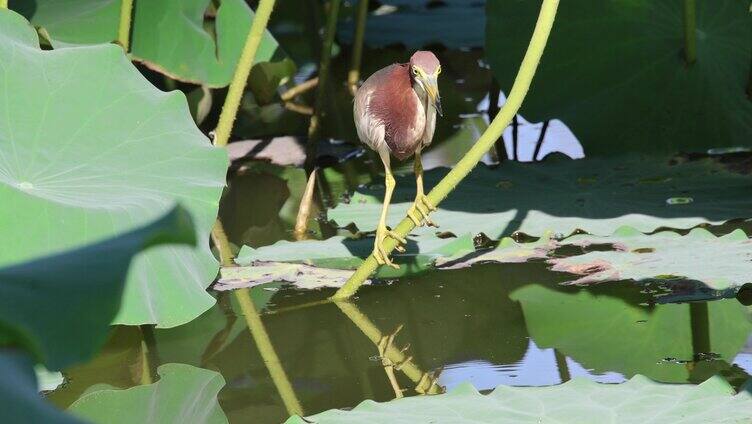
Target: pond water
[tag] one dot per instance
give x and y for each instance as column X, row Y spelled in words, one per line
column 490, row 325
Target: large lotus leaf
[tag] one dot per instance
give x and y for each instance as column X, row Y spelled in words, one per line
column 605, row 333
column 578, row 401
column 342, row 253
column 88, row 149
column 615, row 72
column 597, row 195
column 183, row 394
column 663, row 255
column 167, row 35
column 59, row 335
column 19, row 400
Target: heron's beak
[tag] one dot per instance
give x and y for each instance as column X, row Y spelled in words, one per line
column 431, row 86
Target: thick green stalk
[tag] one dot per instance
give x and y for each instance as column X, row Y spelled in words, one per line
column 484, row 143
column 314, row 128
column 219, row 237
column 124, row 30
column 239, row 79
column 268, row 354
column 690, row 34
column 357, row 50
column 3, row 4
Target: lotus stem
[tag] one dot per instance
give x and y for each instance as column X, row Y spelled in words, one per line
column 304, row 211
column 3, row 4
column 219, row 237
column 299, row 89
column 298, row 108
column 396, row 356
column 690, row 34
column 149, row 357
column 239, row 79
column 268, row 354
column 124, row 29
column 485, row 142
column 314, row 128
column 353, row 77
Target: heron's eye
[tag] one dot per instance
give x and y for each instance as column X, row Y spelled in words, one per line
column 438, row 70
column 415, row 71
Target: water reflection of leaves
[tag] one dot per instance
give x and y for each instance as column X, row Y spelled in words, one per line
column 608, row 333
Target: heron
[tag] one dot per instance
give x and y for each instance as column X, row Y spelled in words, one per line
column 395, row 115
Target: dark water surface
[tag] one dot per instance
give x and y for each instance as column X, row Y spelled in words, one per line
column 490, row 325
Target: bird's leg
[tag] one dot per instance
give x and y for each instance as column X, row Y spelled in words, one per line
column 422, row 207
column 379, row 252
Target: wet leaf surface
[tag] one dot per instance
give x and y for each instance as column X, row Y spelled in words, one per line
column 664, row 255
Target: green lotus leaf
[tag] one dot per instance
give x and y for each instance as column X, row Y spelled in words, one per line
column 89, row 149
column 56, row 285
column 167, row 35
column 338, row 253
column 577, row 401
column 615, row 73
column 182, row 394
column 48, row 308
column 597, row 195
column 662, row 255
column 605, row 333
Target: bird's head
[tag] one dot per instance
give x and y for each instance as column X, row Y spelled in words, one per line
column 424, row 70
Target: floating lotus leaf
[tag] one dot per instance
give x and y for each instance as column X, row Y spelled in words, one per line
column 303, row 276
column 664, row 256
column 596, row 195
column 614, row 71
column 89, row 149
column 661, row 256
column 339, row 253
column 182, row 394
column 578, row 401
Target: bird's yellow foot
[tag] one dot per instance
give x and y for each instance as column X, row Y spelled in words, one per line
column 379, row 252
column 420, row 209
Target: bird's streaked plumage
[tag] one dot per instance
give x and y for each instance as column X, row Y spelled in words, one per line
column 393, row 111
column 395, row 115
